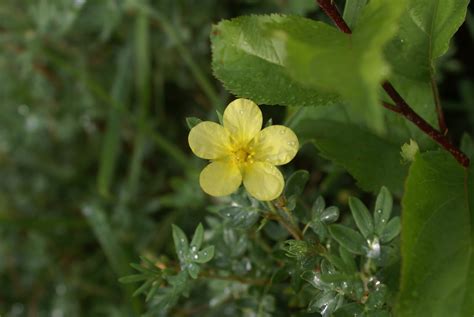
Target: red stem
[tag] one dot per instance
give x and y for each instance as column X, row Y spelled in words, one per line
column 401, row 105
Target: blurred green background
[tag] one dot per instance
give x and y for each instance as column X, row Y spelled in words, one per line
column 94, row 162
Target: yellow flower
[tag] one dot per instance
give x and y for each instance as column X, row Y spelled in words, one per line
column 241, row 152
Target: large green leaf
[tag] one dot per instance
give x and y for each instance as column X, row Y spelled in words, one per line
column 437, row 276
column 373, row 161
column 351, row 65
column 249, row 61
column 426, row 27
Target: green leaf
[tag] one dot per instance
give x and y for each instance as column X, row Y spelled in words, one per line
column 351, row 65
column 198, row 237
column 296, row 183
column 250, row 63
column 180, row 243
column 329, row 215
column 438, row 239
column 193, row 270
column 348, row 238
column 426, row 27
column 204, row 255
column 383, row 210
column 133, row 278
column 241, row 217
column 391, row 230
column 362, row 217
column 192, row 122
column 352, row 10
column 373, row 161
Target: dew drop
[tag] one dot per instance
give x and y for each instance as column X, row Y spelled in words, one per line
column 379, row 211
column 241, row 111
column 193, row 249
column 282, row 131
column 195, row 257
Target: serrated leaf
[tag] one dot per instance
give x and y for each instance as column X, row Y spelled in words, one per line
column 348, row 238
column 205, row 255
column 362, row 217
column 438, row 239
column 426, row 28
column 296, row 182
column 248, row 61
column 371, row 160
column 180, row 242
column 198, row 237
column 351, row 65
column 382, row 210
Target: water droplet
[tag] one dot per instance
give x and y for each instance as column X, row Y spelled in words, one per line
column 282, row 131
column 193, row 249
column 204, row 253
column 379, row 211
column 383, row 220
column 241, row 111
column 196, row 257
column 374, row 248
column 292, row 143
column 183, row 241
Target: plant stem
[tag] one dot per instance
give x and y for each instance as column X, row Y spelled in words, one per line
column 405, row 110
column 331, row 11
column 292, row 229
column 401, row 105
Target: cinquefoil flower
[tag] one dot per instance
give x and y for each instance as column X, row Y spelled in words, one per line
column 241, row 152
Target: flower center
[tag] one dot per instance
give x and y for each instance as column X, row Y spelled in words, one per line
column 244, row 156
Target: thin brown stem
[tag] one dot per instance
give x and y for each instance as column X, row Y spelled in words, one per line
column 391, row 107
column 411, row 115
column 331, row 11
column 401, row 105
column 295, row 232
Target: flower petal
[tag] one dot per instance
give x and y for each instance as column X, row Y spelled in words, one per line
column 209, row 140
column 220, row 178
column 243, row 119
column 263, row 181
column 276, row 144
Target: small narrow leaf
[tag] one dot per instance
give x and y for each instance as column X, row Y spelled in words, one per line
column 296, row 183
column 193, row 270
column 133, row 278
column 383, row 210
column 362, row 217
column 241, row 217
column 192, row 122
column 392, row 230
column 180, row 242
column 198, row 237
column 204, row 255
column 348, row 238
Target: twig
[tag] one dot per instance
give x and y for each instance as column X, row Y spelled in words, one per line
column 406, row 111
column 401, row 105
